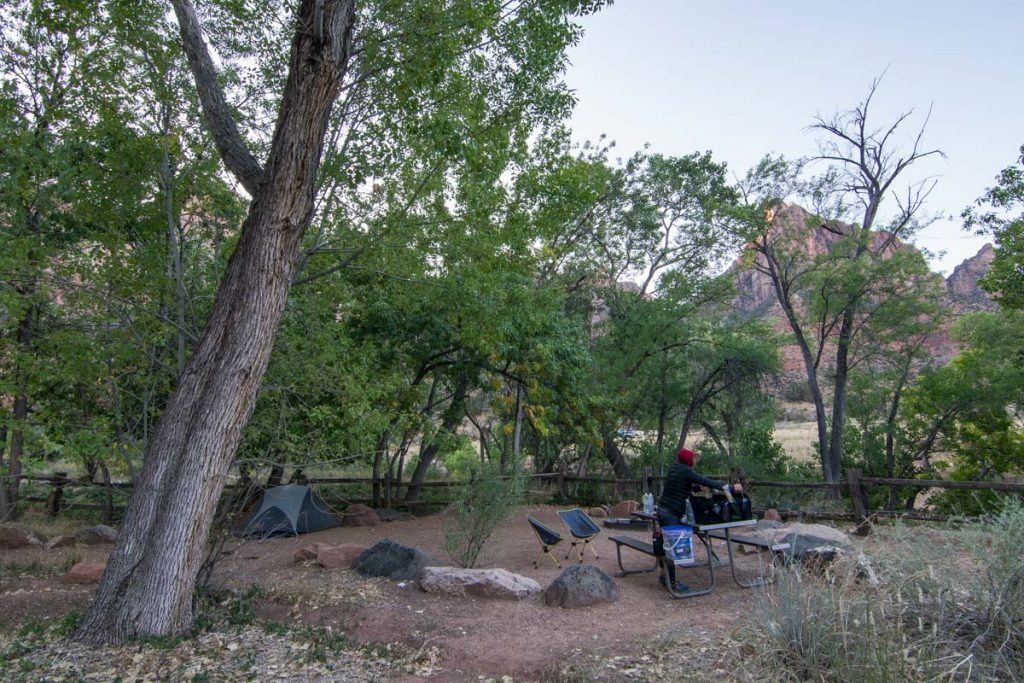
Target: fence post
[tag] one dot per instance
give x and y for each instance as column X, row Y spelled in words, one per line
column 860, row 501
column 563, row 484
column 647, row 484
column 57, row 482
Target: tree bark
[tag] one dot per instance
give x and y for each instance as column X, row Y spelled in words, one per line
column 451, row 422
column 782, row 294
column 517, row 432
column 20, row 414
column 835, row 448
column 5, row 500
column 618, row 462
column 147, row 588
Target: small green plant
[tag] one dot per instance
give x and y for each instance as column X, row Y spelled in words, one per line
column 482, row 505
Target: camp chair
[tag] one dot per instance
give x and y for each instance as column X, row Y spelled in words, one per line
column 548, row 538
column 582, row 528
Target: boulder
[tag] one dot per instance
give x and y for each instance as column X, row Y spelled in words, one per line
column 597, row 512
column 100, row 534
column 820, row 558
column 60, row 542
column 772, row 515
column 392, row 515
column 13, row 536
column 338, row 556
column 359, row 515
column 624, row 508
column 85, row 573
column 307, row 552
column 393, row 561
column 479, row 583
column 581, row 585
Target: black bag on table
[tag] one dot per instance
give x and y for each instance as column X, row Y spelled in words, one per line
column 741, row 507
column 713, row 510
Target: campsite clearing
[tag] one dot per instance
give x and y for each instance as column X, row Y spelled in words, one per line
column 467, row 638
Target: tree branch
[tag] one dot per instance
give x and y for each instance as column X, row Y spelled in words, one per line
column 232, row 148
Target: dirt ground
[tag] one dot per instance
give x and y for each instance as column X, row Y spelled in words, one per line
column 476, row 638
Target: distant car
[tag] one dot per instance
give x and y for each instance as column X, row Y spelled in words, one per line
column 627, row 433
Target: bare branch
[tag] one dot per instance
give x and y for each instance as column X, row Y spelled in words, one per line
column 232, row 148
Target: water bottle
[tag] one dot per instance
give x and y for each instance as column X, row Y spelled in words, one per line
column 689, row 513
column 648, row 504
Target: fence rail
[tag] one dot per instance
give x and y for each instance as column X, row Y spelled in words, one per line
column 561, row 482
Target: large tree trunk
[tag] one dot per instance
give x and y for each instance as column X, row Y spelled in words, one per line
column 9, row 511
column 147, row 588
column 835, row 448
column 782, row 294
column 5, row 498
column 617, row 459
column 452, row 420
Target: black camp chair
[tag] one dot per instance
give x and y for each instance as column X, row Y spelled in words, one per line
column 582, row 528
column 548, row 538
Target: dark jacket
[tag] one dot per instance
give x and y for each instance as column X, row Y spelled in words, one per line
column 679, row 486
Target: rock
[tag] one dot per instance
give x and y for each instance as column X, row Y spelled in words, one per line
column 307, row 552
column 821, row 557
column 392, row 515
column 14, row 536
column 772, row 515
column 359, row 515
column 393, row 561
column 597, row 512
column 581, row 585
column 480, row 583
column 624, row 508
column 338, row 556
column 820, row 531
column 85, row 573
column 60, row 542
column 100, row 534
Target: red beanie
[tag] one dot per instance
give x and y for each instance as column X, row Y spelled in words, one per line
column 686, row 456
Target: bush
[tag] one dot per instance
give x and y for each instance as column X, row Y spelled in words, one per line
column 481, row 506
column 949, row 606
column 758, row 454
column 998, row 546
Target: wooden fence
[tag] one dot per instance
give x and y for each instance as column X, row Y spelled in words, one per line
column 563, row 485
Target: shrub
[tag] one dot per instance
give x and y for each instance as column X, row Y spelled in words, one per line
column 998, row 590
column 949, row 606
column 481, row 506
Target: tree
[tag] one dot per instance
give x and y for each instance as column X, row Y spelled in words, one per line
column 993, row 214
column 147, row 587
column 971, row 406
column 828, row 296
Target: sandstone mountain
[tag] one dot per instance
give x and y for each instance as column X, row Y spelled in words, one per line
column 755, row 294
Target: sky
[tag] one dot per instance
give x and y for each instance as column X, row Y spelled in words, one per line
column 743, row 78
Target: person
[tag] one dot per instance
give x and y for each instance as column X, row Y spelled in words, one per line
column 683, row 480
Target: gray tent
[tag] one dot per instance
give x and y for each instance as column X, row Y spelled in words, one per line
column 287, row 510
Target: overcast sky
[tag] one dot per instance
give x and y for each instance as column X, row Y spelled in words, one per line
column 744, row 78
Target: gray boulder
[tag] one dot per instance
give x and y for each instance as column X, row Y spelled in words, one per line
column 392, row 561
column 481, row 583
column 579, row 586
column 100, row 534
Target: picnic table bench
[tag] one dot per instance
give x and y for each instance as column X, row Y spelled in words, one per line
column 706, row 533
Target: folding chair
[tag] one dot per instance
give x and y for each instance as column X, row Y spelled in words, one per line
column 548, row 538
column 582, row 529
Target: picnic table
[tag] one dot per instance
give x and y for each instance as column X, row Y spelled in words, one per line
column 706, row 533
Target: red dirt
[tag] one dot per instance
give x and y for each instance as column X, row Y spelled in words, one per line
column 477, row 637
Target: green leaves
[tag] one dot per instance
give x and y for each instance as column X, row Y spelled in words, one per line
column 1000, row 213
